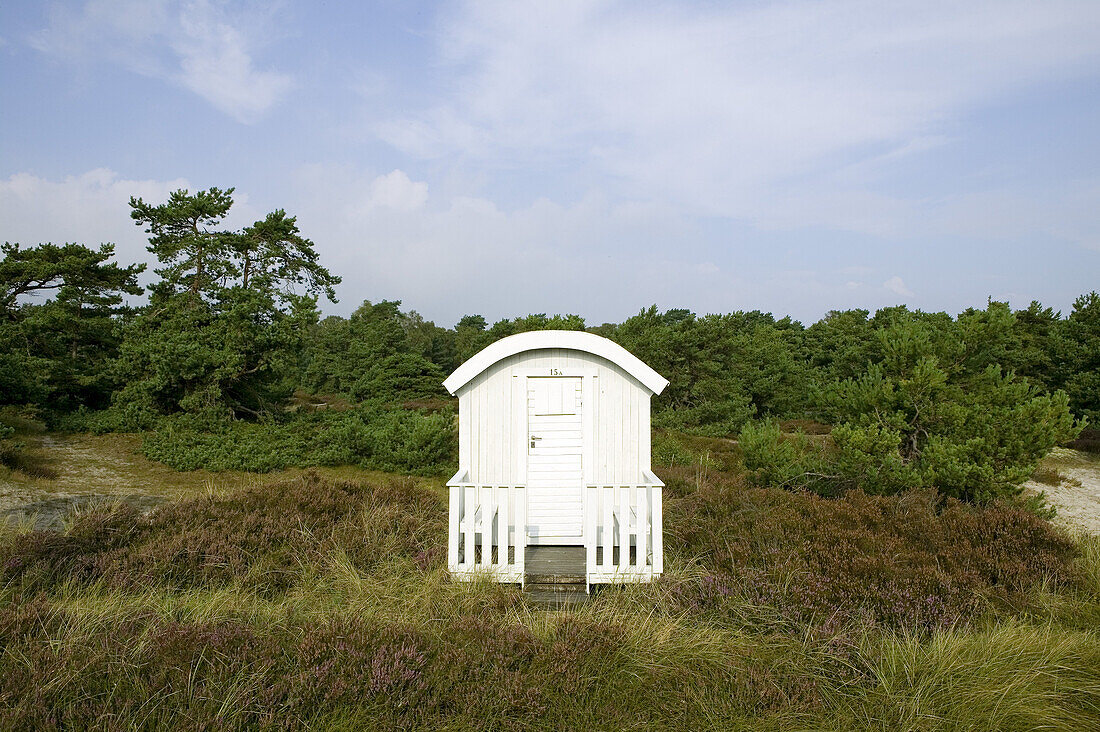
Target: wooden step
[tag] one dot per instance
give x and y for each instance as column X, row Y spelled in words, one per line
column 530, row 578
column 555, row 586
column 555, row 576
column 549, row 599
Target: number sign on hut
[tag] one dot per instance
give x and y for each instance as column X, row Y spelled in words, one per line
column 554, row 451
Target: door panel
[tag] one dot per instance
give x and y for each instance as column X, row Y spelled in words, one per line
column 555, row 470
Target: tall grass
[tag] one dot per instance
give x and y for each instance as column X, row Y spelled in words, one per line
column 1008, row 677
column 318, row 604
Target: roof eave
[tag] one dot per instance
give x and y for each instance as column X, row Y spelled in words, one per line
column 567, row 339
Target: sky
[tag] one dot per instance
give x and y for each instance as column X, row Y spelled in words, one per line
column 589, row 157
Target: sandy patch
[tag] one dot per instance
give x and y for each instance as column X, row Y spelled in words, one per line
column 93, row 469
column 1078, row 498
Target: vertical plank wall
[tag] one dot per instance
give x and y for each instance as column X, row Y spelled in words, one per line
column 493, row 419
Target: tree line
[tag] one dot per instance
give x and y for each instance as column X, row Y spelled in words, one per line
column 232, row 331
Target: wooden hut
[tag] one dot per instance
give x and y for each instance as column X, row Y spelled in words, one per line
column 554, row 450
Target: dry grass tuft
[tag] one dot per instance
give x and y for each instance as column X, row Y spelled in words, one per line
column 1047, row 476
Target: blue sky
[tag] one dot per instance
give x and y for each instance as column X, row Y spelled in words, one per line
column 583, row 157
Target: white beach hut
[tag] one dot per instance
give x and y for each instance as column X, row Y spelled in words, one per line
column 554, row 450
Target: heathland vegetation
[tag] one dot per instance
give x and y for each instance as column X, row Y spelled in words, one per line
column 847, row 541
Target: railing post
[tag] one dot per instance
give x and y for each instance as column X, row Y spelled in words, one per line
column 614, row 515
column 469, row 511
column 503, row 509
column 624, row 527
column 453, row 528
column 590, row 508
column 488, row 512
column 658, row 537
column 521, row 530
column 607, row 496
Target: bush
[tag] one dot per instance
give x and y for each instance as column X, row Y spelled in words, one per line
column 717, row 417
column 867, row 458
column 914, row 560
column 392, row 440
column 775, row 459
column 1087, row 441
column 975, row 443
column 119, row 418
column 10, row 450
column 938, row 411
column 668, row 451
column 395, row 441
column 258, row 537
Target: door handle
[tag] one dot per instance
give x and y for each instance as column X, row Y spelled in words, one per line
column 533, row 438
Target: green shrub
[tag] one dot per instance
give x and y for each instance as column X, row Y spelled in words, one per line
column 237, row 446
column 668, row 451
column 775, row 459
column 867, row 458
column 395, row 440
column 9, row 449
column 718, row 418
column 973, row 432
column 392, row 440
column 119, row 418
column 975, row 441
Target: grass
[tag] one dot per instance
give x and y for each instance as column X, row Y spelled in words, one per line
column 1010, row 676
column 319, row 600
column 610, row 665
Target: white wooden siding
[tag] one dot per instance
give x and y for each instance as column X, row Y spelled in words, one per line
column 493, row 419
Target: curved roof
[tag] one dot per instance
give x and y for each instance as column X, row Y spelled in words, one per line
column 572, row 339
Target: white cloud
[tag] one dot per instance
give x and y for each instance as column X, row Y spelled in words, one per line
column 447, row 254
column 389, row 239
column 91, row 208
column 897, row 286
column 396, row 191
column 200, row 45
column 215, row 64
column 783, row 113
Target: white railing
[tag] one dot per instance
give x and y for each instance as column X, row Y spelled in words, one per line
column 487, row 530
column 623, row 540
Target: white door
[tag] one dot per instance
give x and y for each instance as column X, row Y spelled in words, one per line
column 555, row 470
